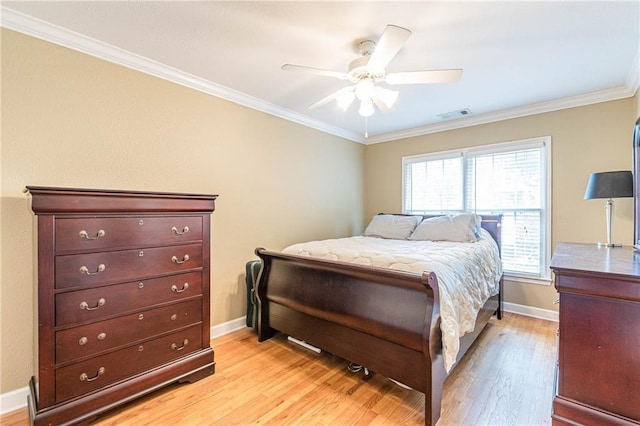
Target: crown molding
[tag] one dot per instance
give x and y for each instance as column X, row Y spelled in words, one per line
column 539, row 108
column 34, row 27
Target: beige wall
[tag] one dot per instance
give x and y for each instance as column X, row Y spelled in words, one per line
column 584, row 140
column 71, row 120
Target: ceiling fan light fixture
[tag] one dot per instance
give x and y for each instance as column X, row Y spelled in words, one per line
column 364, row 89
column 345, row 99
column 366, row 108
column 388, row 97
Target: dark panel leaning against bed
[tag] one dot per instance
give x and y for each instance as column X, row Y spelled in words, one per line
column 329, row 305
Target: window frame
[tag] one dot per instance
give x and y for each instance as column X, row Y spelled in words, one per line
column 495, row 148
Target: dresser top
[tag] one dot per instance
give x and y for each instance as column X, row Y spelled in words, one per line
column 47, row 200
column 591, row 258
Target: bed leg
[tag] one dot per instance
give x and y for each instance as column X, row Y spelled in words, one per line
column 433, row 396
column 432, row 406
column 499, row 310
column 264, row 332
column 265, row 335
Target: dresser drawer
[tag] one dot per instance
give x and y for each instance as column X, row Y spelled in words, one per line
column 97, row 303
column 86, row 376
column 99, row 233
column 94, row 338
column 124, row 265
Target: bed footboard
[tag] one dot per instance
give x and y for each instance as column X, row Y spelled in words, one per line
column 386, row 320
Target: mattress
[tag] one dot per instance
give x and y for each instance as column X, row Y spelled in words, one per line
column 468, row 273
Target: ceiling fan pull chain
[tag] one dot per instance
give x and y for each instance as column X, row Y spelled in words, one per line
column 366, row 127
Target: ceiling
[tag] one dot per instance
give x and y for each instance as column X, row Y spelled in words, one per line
column 519, row 58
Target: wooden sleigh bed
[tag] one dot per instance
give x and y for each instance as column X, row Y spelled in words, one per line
column 316, row 301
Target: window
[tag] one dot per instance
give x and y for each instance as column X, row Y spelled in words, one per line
column 512, row 179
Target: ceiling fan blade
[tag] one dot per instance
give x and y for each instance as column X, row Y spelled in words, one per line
column 422, row 77
column 317, row 71
column 387, row 47
column 331, row 97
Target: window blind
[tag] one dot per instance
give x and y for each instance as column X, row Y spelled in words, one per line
column 509, row 179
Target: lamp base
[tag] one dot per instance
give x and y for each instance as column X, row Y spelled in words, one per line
column 609, row 245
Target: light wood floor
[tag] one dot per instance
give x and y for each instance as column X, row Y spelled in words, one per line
column 505, row 379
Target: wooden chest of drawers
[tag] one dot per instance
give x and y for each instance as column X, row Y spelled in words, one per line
column 598, row 375
column 123, row 298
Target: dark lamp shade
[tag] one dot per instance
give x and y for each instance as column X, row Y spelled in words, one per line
column 609, row 185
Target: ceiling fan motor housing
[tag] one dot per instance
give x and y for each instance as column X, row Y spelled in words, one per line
column 358, row 68
column 366, row 47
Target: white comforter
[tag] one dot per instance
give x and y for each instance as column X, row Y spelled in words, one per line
column 468, row 273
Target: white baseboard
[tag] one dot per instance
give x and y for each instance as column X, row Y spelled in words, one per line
column 13, row 400
column 530, row 311
column 228, row 327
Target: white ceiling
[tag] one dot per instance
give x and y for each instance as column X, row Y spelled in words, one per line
column 518, row 57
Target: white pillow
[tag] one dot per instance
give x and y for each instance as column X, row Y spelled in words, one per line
column 392, row 226
column 461, row 228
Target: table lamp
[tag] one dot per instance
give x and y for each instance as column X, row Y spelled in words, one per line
column 609, row 185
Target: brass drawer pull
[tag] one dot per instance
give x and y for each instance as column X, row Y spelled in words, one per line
column 84, row 234
column 85, row 270
column 175, row 289
column 184, row 230
column 102, row 336
column 85, row 378
column 83, row 341
column 85, row 305
column 174, row 259
column 175, row 347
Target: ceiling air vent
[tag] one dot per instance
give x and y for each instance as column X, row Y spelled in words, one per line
column 455, row 114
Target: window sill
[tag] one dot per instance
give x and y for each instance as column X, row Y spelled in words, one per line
column 528, row 280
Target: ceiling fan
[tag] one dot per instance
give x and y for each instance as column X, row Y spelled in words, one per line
column 368, row 70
